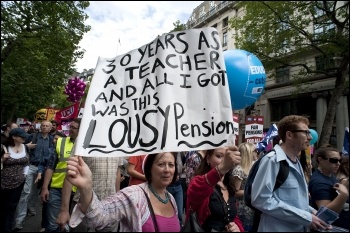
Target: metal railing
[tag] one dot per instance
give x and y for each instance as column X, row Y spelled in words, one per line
column 211, row 11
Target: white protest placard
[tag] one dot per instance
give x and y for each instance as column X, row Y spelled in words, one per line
column 169, row 95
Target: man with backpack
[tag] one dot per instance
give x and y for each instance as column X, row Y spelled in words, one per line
column 283, row 198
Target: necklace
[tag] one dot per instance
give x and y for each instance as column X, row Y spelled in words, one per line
column 157, row 196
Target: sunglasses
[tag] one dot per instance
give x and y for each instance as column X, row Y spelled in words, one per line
column 333, row 160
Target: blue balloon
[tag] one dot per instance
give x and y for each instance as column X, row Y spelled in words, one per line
column 314, row 136
column 246, row 77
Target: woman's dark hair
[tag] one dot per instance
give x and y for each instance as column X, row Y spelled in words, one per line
column 204, row 168
column 344, row 165
column 148, row 166
column 7, row 125
column 323, row 151
column 303, row 160
column 10, row 142
column 304, row 165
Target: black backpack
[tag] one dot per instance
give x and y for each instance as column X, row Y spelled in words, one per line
column 281, row 177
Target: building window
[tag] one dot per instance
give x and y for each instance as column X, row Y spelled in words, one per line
column 285, row 47
column 224, row 39
column 212, row 4
column 324, row 63
column 323, row 29
column 282, row 74
column 225, row 22
column 304, row 105
column 320, row 6
column 282, row 28
column 193, row 17
column 202, row 11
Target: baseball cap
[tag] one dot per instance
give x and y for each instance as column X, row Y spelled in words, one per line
column 19, row 132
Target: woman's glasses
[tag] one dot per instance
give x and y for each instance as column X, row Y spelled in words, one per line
column 333, row 160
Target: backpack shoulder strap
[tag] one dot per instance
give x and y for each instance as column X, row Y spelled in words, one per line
column 282, row 174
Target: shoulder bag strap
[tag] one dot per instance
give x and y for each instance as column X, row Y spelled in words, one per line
column 4, row 147
column 152, row 212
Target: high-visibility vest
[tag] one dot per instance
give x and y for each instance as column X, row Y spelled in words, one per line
column 64, row 147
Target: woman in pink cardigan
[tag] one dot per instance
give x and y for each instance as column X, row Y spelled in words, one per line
column 210, row 195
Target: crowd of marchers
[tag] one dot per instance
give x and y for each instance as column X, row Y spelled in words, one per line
column 158, row 192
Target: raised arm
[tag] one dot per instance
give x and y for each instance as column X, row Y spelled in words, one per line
column 79, row 175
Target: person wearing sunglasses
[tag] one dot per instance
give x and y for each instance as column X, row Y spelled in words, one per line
column 325, row 189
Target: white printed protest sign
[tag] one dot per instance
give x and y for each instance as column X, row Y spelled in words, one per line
column 169, row 95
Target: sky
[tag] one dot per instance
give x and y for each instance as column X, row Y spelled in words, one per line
column 133, row 23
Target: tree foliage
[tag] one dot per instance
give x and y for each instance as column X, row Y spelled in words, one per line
column 178, row 26
column 39, row 47
column 284, row 33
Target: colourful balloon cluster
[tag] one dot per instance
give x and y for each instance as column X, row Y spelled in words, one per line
column 75, row 89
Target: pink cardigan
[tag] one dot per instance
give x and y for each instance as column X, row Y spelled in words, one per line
column 198, row 194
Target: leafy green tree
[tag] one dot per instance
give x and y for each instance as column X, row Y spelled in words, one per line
column 178, row 26
column 284, row 33
column 39, row 47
